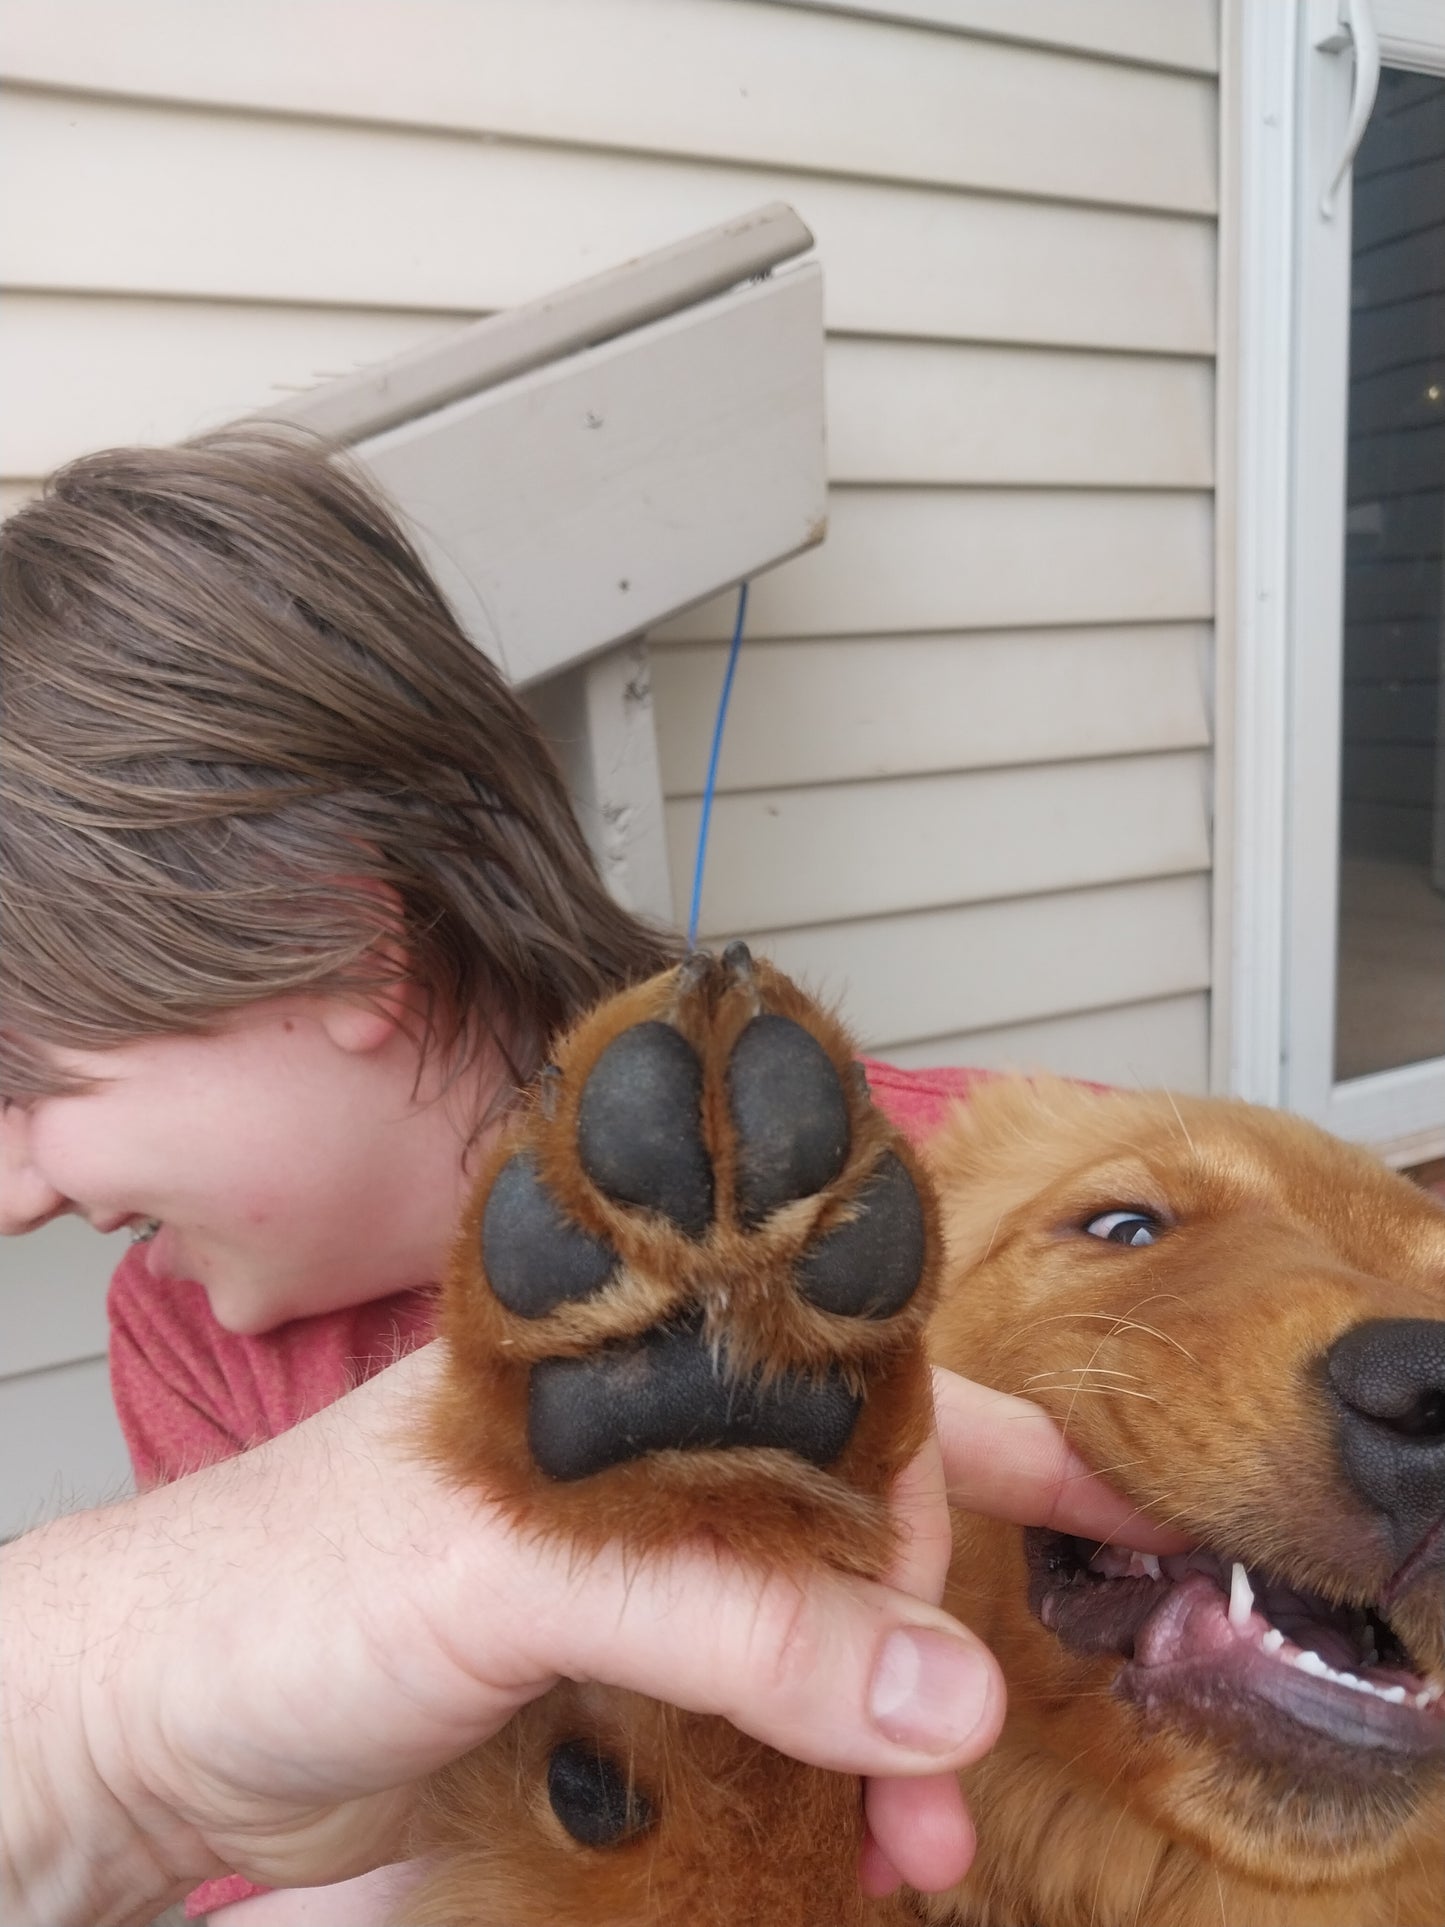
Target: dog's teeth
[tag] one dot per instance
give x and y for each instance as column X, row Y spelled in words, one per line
column 1151, row 1565
column 1272, row 1641
column 1241, row 1598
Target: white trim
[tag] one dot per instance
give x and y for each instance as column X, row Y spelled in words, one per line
column 1401, row 1107
column 1319, row 393
column 1282, row 807
column 1253, row 816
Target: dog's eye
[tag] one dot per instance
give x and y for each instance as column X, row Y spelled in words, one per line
column 1124, row 1227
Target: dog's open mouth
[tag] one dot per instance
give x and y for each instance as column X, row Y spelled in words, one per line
column 1210, row 1643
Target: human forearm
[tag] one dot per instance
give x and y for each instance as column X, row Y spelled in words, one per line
column 72, row 1851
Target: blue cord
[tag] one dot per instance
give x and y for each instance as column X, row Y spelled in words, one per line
column 710, row 785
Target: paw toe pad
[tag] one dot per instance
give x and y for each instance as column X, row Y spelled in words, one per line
column 639, row 1126
column 534, row 1259
column 871, row 1266
column 790, row 1113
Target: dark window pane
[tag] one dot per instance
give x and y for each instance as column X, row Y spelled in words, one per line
column 1391, row 1001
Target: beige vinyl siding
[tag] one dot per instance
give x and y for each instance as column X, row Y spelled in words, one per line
column 736, row 81
column 60, row 1443
column 988, row 693
column 825, row 709
column 913, row 842
column 1005, row 962
column 1169, row 1035
column 1164, row 33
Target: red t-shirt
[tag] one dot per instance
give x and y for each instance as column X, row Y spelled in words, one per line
column 188, row 1393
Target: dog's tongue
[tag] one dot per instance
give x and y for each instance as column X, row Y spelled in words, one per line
column 1191, row 1621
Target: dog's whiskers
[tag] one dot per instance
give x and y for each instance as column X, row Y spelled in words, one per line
column 1118, row 1321
column 1102, row 1371
column 1179, row 1118
column 1098, row 1391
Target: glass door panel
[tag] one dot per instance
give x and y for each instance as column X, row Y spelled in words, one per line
column 1390, row 951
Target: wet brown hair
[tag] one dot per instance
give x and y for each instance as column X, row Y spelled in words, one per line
column 245, row 740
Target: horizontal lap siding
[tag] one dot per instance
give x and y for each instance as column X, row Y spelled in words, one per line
column 275, row 209
column 729, row 80
column 826, row 709
column 1164, row 1041
column 60, row 1444
column 912, row 842
column 978, row 967
column 1014, row 204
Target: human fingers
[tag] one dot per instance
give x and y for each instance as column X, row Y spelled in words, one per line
column 918, row 1831
column 1005, row 1458
column 836, row 1671
column 925, row 1529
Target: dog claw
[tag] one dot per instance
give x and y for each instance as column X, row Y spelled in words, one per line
column 549, row 1089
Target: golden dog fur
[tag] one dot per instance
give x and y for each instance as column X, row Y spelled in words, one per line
column 1186, row 1370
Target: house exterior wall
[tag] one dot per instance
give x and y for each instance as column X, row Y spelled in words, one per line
column 966, row 785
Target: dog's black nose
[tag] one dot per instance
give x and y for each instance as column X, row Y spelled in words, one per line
column 1389, row 1377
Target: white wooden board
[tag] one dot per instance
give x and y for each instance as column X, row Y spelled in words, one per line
column 574, row 506
column 249, row 207
column 783, row 858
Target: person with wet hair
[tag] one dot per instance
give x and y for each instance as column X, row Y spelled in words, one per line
column 293, row 899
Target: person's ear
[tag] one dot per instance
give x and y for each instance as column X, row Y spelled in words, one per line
column 358, row 1025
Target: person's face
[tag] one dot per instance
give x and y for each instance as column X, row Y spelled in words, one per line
column 289, row 1161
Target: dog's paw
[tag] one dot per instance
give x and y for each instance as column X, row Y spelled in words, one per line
column 690, row 1290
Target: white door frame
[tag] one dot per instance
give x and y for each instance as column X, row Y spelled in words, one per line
column 1278, row 905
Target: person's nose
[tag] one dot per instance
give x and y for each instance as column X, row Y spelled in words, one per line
column 27, row 1198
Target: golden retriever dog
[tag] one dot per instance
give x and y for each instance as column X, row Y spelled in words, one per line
column 697, row 1294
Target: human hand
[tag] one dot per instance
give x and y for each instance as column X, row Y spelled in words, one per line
column 1001, row 1456
column 263, row 1659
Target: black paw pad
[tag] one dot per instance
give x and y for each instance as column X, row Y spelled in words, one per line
column 871, row 1266
column 535, row 1259
column 591, row 1797
column 791, row 1115
column 668, row 1389
column 639, row 1126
